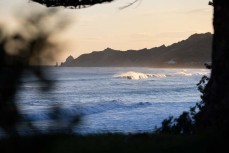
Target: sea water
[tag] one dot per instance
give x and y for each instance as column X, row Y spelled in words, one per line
column 124, row 100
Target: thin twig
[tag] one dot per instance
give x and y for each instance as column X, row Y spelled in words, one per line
column 128, row 5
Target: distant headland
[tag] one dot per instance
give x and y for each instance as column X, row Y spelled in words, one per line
column 193, row 52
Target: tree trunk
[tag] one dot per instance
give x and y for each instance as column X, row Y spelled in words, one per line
column 216, row 97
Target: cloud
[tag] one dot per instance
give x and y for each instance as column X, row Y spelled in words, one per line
column 200, row 11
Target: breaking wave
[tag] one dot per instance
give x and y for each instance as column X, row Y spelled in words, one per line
column 138, row 75
column 184, row 73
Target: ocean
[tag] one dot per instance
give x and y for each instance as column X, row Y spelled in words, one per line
column 110, row 100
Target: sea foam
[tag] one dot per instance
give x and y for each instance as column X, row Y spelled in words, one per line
column 138, row 75
column 186, row 73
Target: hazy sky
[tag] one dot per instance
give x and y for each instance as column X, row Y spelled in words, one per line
column 147, row 24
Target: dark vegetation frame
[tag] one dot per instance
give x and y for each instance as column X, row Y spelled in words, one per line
column 213, row 110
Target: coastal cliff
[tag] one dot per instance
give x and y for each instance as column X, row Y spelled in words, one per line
column 192, row 52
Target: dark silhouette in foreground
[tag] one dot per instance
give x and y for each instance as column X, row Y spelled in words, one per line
column 26, row 51
column 212, row 115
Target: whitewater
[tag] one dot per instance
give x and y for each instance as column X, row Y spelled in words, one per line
column 126, row 100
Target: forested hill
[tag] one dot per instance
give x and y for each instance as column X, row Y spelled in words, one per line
column 191, row 53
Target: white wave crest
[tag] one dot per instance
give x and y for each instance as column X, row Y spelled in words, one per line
column 185, row 73
column 138, row 75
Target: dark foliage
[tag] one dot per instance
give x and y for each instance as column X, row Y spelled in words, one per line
column 77, row 4
column 188, row 122
column 113, row 143
column 71, row 3
column 210, row 3
column 25, row 51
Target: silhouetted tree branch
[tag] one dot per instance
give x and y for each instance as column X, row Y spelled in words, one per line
column 71, row 3
column 77, row 3
column 128, row 5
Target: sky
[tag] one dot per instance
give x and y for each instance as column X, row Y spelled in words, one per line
column 146, row 24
